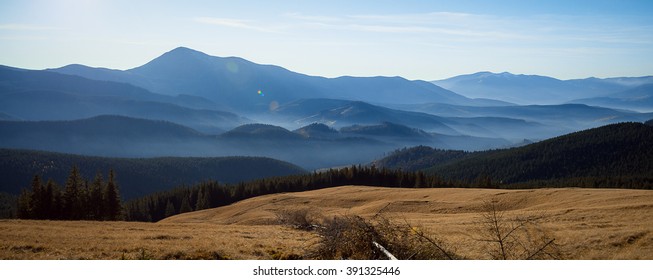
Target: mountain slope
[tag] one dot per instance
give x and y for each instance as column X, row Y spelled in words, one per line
column 527, row 89
column 236, row 82
column 618, row 151
column 567, row 117
column 637, row 98
column 318, row 130
column 136, row 177
column 43, row 95
column 104, row 136
column 418, row 158
column 341, row 113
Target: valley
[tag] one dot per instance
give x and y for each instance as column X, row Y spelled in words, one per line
column 160, row 109
column 213, row 155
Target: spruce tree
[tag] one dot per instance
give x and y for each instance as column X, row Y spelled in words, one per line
column 96, row 198
column 112, row 199
column 71, row 198
column 37, row 203
column 54, row 201
column 203, row 199
column 23, row 207
column 185, row 205
column 170, row 209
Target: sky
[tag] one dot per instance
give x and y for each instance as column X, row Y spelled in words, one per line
column 426, row 40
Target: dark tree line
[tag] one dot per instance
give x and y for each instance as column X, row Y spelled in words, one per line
column 211, row 194
column 138, row 176
column 78, row 200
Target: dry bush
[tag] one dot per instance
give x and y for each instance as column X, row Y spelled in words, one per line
column 352, row 237
column 514, row 238
column 303, row 219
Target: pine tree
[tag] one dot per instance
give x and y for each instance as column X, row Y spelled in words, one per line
column 23, row 207
column 54, row 200
column 37, row 200
column 203, row 199
column 185, row 206
column 170, row 209
column 111, row 199
column 71, row 197
column 96, row 198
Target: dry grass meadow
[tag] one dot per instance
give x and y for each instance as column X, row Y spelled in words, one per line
column 586, row 223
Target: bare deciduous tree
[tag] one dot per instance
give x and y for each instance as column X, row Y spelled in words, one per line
column 514, row 238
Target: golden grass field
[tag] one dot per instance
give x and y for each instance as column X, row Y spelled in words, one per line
column 587, row 223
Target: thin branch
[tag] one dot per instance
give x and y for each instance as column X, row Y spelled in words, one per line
column 541, row 249
column 420, row 234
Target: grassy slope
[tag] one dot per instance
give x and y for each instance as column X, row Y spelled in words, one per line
column 590, row 223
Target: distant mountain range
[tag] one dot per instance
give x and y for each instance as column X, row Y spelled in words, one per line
column 542, row 90
column 235, row 82
column 188, row 103
column 638, row 98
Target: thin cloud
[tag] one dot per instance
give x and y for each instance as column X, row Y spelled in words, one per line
column 234, row 23
column 461, row 27
column 27, row 27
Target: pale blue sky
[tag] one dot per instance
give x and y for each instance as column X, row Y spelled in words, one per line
column 415, row 39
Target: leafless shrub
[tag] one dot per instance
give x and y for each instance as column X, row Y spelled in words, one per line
column 514, row 238
column 353, row 237
column 303, row 219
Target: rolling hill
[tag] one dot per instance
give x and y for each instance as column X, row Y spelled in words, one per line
column 118, row 136
column 587, row 223
column 136, row 176
column 341, row 113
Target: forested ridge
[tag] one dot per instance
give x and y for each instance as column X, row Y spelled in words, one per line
column 137, row 176
column 419, row 157
column 617, row 155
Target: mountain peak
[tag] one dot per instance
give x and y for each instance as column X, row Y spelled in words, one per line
column 183, row 50
column 181, row 53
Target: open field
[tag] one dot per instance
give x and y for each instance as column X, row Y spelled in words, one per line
column 587, row 223
column 132, row 240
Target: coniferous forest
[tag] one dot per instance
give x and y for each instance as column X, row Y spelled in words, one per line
column 80, row 199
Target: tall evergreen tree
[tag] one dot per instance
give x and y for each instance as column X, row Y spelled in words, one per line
column 170, row 209
column 112, row 199
column 37, row 199
column 71, row 198
column 185, row 205
column 203, row 199
column 96, row 198
column 54, row 203
column 23, row 207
